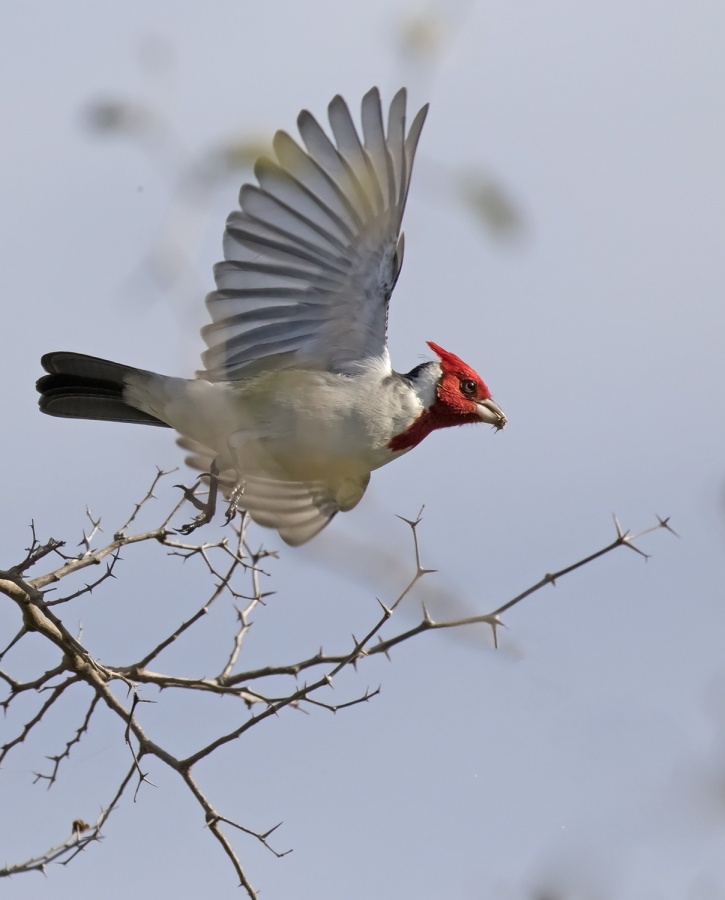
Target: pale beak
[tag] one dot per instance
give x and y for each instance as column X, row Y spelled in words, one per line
column 491, row 414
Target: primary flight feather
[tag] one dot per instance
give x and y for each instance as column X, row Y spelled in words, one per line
column 297, row 402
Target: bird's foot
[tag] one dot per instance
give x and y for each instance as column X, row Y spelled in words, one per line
column 190, row 495
column 234, row 499
column 207, row 507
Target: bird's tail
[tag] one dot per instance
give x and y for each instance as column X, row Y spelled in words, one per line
column 86, row 387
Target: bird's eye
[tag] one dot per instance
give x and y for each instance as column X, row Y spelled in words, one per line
column 468, row 387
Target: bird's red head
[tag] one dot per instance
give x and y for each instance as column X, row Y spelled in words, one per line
column 461, row 397
column 460, row 387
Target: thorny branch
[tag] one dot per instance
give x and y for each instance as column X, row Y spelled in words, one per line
column 229, row 564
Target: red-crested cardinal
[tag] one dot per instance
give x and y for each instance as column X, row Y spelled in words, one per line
column 297, row 402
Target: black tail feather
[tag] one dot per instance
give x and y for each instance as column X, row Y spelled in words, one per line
column 86, row 387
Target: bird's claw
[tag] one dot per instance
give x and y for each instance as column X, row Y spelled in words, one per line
column 234, row 499
column 195, row 523
column 190, row 495
column 207, row 507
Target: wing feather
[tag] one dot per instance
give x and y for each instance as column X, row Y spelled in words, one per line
column 297, row 510
column 272, row 239
column 356, row 162
column 289, row 222
column 332, row 210
column 377, row 148
column 313, row 253
column 411, row 145
column 396, row 144
column 336, row 168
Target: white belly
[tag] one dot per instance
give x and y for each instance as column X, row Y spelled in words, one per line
column 294, row 424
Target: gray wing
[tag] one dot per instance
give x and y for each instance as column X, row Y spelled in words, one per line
column 296, row 510
column 313, row 255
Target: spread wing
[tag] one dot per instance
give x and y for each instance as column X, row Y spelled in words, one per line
column 297, row 510
column 312, row 256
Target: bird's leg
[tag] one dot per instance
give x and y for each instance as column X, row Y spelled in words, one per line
column 206, row 509
column 190, row 493
column 234, row 499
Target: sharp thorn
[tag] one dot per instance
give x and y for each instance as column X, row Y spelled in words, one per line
column 665, row 523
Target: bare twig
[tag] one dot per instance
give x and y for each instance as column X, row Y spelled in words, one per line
column 228, row 565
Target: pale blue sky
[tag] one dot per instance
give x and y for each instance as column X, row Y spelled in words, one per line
column 587, row 754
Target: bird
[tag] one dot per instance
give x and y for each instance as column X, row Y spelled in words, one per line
column 297, row 401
